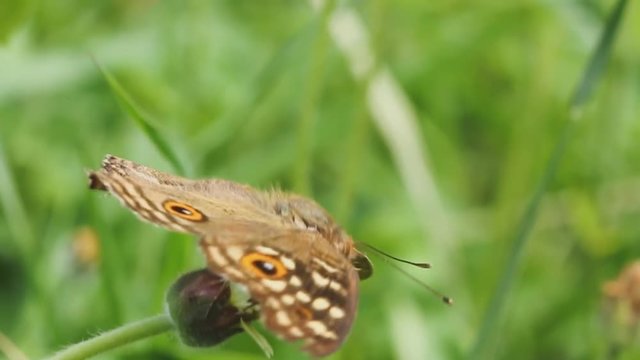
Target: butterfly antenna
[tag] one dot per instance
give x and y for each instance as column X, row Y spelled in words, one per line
column 422, row 265
column 385, row 257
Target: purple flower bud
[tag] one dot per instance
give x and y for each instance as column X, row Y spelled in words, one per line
column 200, row 305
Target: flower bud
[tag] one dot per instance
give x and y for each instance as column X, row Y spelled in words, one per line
column 201, row 305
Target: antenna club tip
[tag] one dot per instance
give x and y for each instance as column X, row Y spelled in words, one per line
column 447, row 300
column 424, row 265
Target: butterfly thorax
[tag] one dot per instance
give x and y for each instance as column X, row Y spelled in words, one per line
column 306, row 214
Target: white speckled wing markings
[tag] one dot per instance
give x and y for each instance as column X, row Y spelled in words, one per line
column 177, row 203
column 306, row 289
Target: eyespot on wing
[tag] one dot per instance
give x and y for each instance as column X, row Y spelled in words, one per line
column 183, row 211
column 263, row 266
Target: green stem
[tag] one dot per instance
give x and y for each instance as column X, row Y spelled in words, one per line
column 116, row 338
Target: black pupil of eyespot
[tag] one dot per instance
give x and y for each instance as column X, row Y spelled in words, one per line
column 265, row 266
column 181, row 210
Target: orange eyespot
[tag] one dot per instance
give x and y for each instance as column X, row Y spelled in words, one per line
column 263, row 266
column 183, row 211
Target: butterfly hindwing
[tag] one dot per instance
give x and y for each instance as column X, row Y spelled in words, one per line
column 306, row 290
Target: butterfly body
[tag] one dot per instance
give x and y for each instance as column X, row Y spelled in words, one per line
column 296, row 262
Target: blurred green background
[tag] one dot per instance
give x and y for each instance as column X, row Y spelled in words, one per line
column 258, row 92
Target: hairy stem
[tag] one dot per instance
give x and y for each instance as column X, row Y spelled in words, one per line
column 116, row 338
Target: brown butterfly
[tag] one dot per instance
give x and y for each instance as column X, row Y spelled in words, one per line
column 296, row 262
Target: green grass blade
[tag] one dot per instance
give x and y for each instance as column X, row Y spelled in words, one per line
column 262, row 342
column 12, row 204
column 352, row 163
column 595, row 68
column 148, row 129
column 23, row 237
column 493, row 316
column 222, row 131
column 487, row 335
column 308, row 109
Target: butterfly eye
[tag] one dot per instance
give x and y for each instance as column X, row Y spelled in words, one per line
column 183, row 210
column 264, row 266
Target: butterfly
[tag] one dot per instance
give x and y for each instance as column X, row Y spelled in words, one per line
column 298, row 265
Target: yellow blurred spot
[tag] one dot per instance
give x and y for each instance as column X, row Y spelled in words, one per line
column 86, row 246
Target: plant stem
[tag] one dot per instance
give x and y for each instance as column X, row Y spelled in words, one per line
column 116, row 338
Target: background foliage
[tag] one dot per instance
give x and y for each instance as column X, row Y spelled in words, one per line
column 257, row 92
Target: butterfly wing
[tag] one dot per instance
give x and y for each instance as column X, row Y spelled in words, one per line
column 306, row 289
column 178, row 203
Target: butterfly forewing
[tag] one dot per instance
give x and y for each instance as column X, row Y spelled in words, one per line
column 176, row 203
